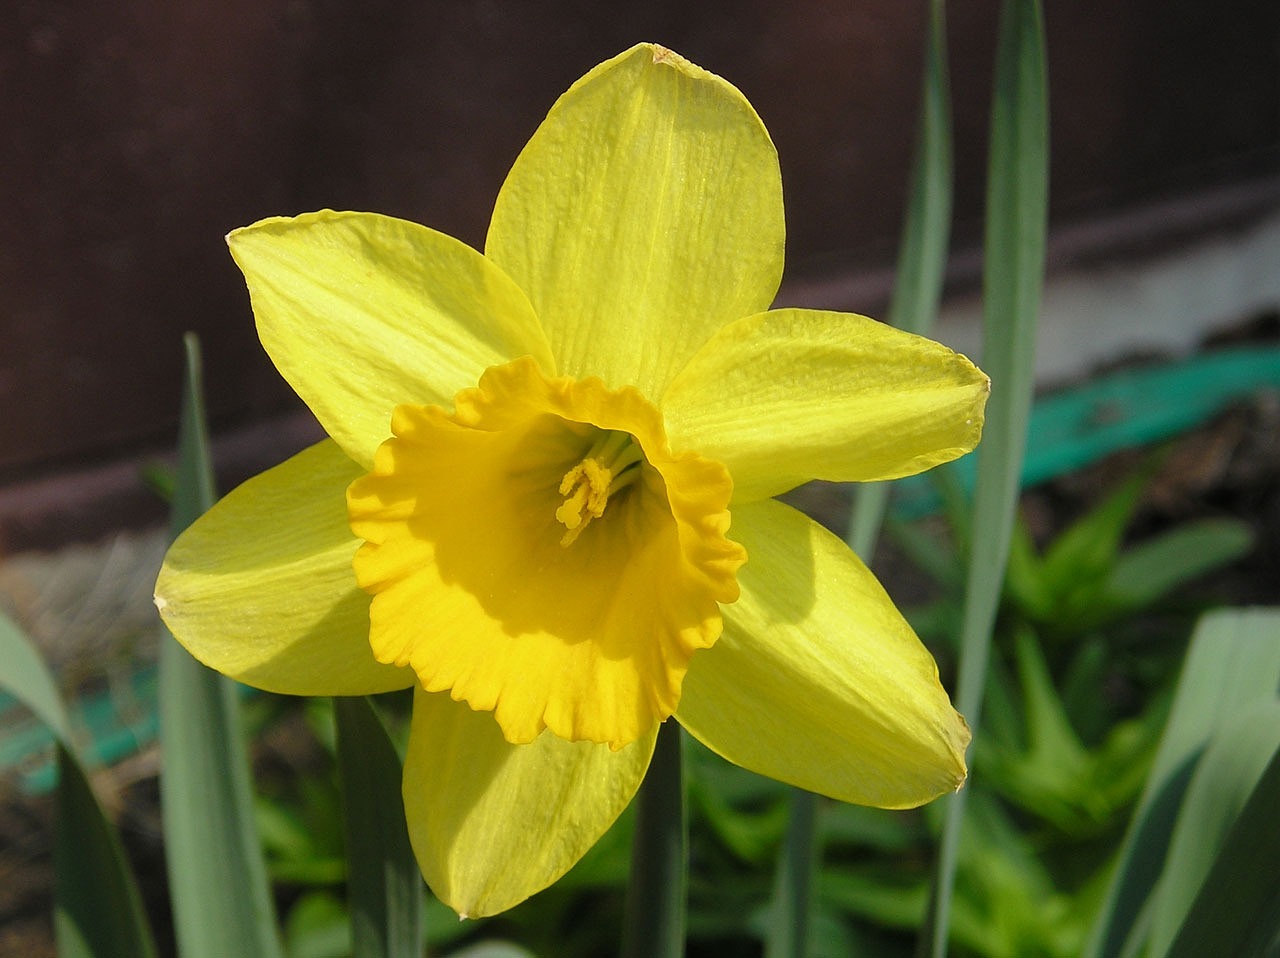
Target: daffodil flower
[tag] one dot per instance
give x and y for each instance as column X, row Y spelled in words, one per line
column 546, row 499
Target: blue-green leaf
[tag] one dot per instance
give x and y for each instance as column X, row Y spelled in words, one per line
column 1233, row 664
column 24, row 674
column 1237, row 911
column 1014, row 251
column 384, row 885
column 97, row 909
column 1225, row 776
column 217, row 879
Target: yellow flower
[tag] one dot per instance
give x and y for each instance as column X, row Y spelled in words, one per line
column 546, row 499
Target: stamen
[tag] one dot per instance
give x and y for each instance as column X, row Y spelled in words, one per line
column 612, row 463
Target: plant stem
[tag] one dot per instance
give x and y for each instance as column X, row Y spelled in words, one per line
column 792, row 891
column 654, row 921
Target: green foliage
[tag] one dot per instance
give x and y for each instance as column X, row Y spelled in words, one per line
column 97, row 909
column 1237, row 908
column 217, row 880
column 1086, row 580
column 1013, row 276
column 97, row 912
column 384, row 887
column 1033, row 757
column 1232, row 668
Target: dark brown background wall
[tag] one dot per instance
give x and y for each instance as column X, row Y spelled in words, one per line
column 134, row 134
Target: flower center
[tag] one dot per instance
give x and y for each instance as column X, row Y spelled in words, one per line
column 484, row 584
column 612, row 464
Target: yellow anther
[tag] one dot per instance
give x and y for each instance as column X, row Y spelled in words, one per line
column 611, row 464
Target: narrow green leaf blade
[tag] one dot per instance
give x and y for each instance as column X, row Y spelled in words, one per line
column 1017, row 207
column 1153, row 569
column 1237, row 911
column 24, row 675
column 1014, row 253
column 383, row 881
column 1225, row 777
column 217, row 878
column 1088, row 548
column 1233, row 664
column 97, row 909
column 922, row 253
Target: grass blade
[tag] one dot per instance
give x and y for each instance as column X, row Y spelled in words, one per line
column 384, row 888
column 1017, row 216
column 217, row 878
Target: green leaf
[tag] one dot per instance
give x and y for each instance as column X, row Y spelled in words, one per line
column 283, row 833
column 1153, row 569
column 217, row 879
column 920, row 545
column 1026, row 584
column 384, row 886
column 922, row 254
column 1237, row 911
column 1232, row 665
column 862, row 828
column 1010, row 905
column 492, row 949
column 318, row 926
column 1225, row 776
column 97, row 909
column 792, row 906
column 1014, row 250
column 1085, row 553
column 1051, row 776
column 24, row 674
column 751, row 837
column 887, row 901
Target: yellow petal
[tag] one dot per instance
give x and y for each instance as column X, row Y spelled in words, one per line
column 492, row 823
column 261, row 588
column 791, row 395
column 360, row 312
column 817, row 680
column 494, row 577
column 645, row 213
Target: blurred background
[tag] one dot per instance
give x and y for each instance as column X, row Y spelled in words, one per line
column 136, row 134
